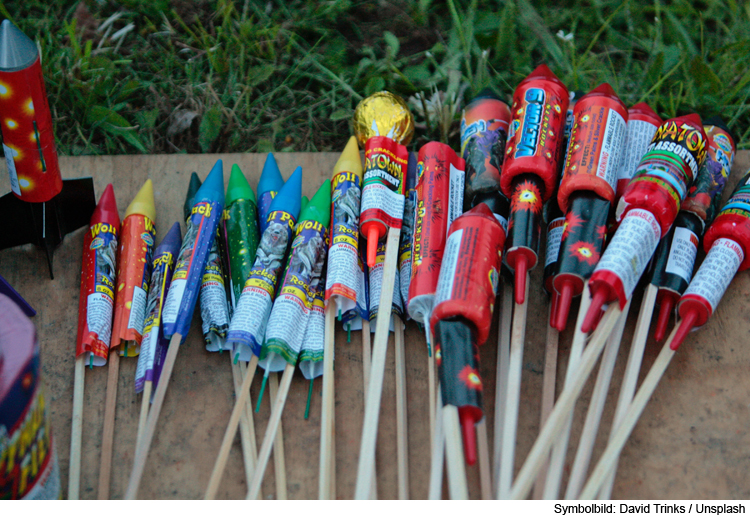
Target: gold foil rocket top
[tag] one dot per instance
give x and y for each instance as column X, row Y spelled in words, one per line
column 383, row 114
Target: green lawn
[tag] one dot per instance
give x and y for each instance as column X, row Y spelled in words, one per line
column 156, row 76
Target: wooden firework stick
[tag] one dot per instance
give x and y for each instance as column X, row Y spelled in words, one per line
column 564, row 406
column 145, row 405
column 247, row 425
column 279, row 460
column 513, row 396
column 226, row 444
column 438, row 452
column 431, row 381
column 632, row 369
column 596, row 406
column 485, row 473
column 327, row 462
column 560, row 449
column 270, row 437
column 76, row 432
column 366, row 364
column 454, row 454
column 501, row 384
column 141, row 453
column 402, row 427
column 108, row 434
column 617, row 441
column 375, row 387
column 548, row 393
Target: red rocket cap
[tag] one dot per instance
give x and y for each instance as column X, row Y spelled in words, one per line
column 667, row 302
column 694, row 311
column 106, row 209
column 644, row 109
column 543, row 72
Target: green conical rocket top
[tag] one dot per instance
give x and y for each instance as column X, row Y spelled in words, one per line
column 303, row 203
column 238, row 188
column 319, row 208
column 193, row 186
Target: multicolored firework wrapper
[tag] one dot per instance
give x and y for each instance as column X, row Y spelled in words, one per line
column 313, row 342
column 407, row 233
column 291, row 309
column 28, row 458
column 248, row 326
column 98, row 270
column 199, row 236
column 213, row 299
column 376, row 284
column 154, row 344
column 137, row 242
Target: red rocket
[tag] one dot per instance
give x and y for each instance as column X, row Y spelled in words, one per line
column 41, row 207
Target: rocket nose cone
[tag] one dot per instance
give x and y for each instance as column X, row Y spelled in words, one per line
column 193, row 186
column 17, row 51
column 645, row 109
column 349, row 160
column 290, row 195
column 238, row 188
column 106, row 208
column 213, row 187
column 319, row 208
column 270, row 178
column 604, row 89
column 172, row 240
column 143, row 203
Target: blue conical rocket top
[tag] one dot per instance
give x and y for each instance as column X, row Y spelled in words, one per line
column 212, row 189
column 289, row 198
column 270, row 178
column 170, row 243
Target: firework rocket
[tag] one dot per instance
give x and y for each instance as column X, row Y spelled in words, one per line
column 647, row 210
column 269, row 185
column 462, row 316
column 531, row 165
column 137, row 241
column 41, row 207
column 674, row 260
column 154, row 345
column 587, row 190
column 191, row 263
column 98, row 270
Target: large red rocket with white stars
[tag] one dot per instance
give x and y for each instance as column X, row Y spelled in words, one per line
column 41, row 207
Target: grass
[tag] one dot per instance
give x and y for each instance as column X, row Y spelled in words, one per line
column 155, row 76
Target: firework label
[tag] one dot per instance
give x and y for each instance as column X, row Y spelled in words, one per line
column 188, row 272
column 376, row 285
column 345, row 276
column 682, row 253
column 28, row 458
column 667, row 170
column 596, row 141
column 136, row 250
column 642, row 125
column 407, row 231
column 535, row 138
column 97, row 288
column 213, row 299
column 440, row 184
column 630, row 250
column 248, row 325
column 554, row 236
column 383, row 188
column 313, row 342
column 469, row 276
column 716, row 272
column 289, row 316
column 161, row 277
column 484, row 131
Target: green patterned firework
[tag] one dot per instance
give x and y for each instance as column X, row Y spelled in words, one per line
column 291, row 309
column 240, row 227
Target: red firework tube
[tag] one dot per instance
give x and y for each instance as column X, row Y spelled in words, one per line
column 532, row 159
column 97, row 296
column 440, row 192
column 25, row 120
column 464, row 301
column 727, row 242
column 470, row 269
column 596, row 141
column 642, row 125
column 647, row 210
column 382, row 191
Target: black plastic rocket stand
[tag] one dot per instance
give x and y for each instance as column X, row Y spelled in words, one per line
column 45, row 224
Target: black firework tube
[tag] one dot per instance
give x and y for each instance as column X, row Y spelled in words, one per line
column 457, row 358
